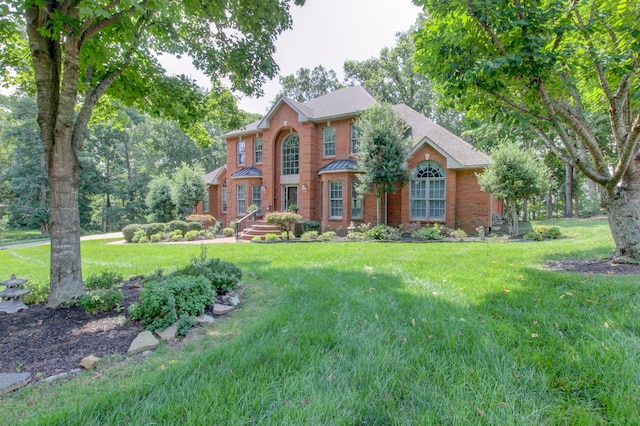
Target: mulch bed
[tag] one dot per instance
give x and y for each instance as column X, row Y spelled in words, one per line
column 600, row 266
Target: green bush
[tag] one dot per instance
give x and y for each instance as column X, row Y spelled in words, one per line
column 428, row 233
column 103, row 280
column 548, row 232
column 140, row 233
column 305, row 226
column 228, row 232
column 175, row 235
column 144, row 240
column 285, row 221
column 458, row 234
column 383, row 232
column 195, row 226
column 533, row 236
column 356, row 236
column 328, row 236
column 101, row 300
column 180, row 225
column 155, row 238
column 153, row 228
column 156, row 308
column 309, row 236
column 129, row 231
column 223, row 276
column 184, row 325
column 271, row 237
column 191, row 235
column 256, row 238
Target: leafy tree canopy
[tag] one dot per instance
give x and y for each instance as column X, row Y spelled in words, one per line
column 308, row 84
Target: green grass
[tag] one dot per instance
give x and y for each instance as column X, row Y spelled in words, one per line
column 374, row 333
column 14, row 236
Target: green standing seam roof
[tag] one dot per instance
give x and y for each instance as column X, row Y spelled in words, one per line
column 345, row 165
column 248, row 172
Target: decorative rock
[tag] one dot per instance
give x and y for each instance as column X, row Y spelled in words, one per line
column 89, row 362
column 146, row 353
column 168, row 334
column 234, row 301
column 205, row 319
column 11, row 382
column 225, row 298
column 219, row 309
column 55, row 377
column 144, row 341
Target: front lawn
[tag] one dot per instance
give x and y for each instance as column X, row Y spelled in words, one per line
column 373, row 333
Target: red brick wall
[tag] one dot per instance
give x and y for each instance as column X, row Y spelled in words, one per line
column 472, row 204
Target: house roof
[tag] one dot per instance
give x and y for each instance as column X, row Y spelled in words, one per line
column 344, row 165
column 213, row 177
column 342, row 103
column 247, row 172
column 459, row 153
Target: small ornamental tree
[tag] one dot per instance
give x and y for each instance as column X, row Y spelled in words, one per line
column 285, row 221
column 188, row 188
column 161, row 206
column 514, row 175
column 382, row 154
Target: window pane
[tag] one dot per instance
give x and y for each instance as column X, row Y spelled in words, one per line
column 356, row 203
column 290, row 155
column 241, row 153
column 242, row 200
column 436, row 189
column 418, row 209
column 329, row 141
column 256, row 198
column 436, row 209
column 224, row 196
column 354, row 140
column 335, row 199
column 257, row 150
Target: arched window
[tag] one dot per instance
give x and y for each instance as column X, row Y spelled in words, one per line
column 224, row 196
column 427, row 191
column 290, row 154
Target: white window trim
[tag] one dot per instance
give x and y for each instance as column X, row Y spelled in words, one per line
column 331, row 199
column 325, row 142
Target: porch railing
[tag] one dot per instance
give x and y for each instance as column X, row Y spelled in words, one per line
column 240, row 223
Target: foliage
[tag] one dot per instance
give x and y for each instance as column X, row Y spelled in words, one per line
column 309, row 236
column 428, row 232
column 271, row 237
column 101, row 300
column 561, row 68
column 103, row 280
column 382, row 153
column 327, row 236
column 533, row 236
column 161, row 206
column 514, row 175
column 4, row 220
column 156, row 308
column 222, row 276
column 179, row 225
column 188, row 188
column 304, row 226
column 191, row 235
column 382, row 233
column 308, row 84
column 195, row 226
column 129, row 231
column 185, row 323
column 285, row 221
column 206, row 220
column 153, row 228
column 175, row 235
column 551, row 232
column 458, row 234
column 228, row 232
column 138, row 235
column 156, row 238
column 256, row 238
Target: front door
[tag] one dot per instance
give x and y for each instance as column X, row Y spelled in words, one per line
column 290, row 197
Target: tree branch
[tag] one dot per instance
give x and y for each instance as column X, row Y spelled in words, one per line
column 628, row 154
column 519, row 107
column 487, row 29
column 89, row 30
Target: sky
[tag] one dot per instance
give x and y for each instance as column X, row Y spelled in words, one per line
column 327, row 33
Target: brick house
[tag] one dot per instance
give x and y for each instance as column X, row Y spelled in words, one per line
column 305, row 154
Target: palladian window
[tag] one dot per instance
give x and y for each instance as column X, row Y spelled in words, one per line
column 290, row 155
column 427, row 192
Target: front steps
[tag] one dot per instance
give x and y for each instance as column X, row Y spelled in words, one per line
column 259, row 229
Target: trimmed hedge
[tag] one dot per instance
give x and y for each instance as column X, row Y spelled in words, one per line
column 179, row 225
column 129, row 231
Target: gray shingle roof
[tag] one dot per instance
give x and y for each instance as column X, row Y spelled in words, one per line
column 344, row 165
column 459, row 153
column 213, row 177
column 247, row 172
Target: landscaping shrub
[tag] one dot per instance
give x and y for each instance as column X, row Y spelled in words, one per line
column 101, row 300
column 271, row 237
column 144, row 240
column 129, row 231
column 180, row 225
column 533, row 236
column 103, row 280
column 548, row 232
column 223, row 276
column 327, row 236
column 458, row 234
column 155, row 238
column 285, row 221
column 356, row 236
column 382, row 232
column 256, row 238
column 156, row 308
column 153, row 228
column 305, row 226
column 206, row 220
column 429, row 233
column 175, row 235
column 195, row 226
column 191, row 235
column 309, row 236
column 228, row 232
column 140, row 233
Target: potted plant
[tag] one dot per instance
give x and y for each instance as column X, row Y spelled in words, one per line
column 293, row 208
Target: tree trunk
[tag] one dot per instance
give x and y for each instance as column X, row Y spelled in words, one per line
column 513, row 216
column 623, row 208
column 549, row 201
column 525, row 210
column 378, row 209
column 568, row 190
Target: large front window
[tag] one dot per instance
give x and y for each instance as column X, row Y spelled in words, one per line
column 329, row 142
column 257, row 151
column 335, row 199
column 427, row 192
column 356, row 202
column 205, row 203
column 354, row 139
column 290, row 155
column 241, row 153
column 241, row 199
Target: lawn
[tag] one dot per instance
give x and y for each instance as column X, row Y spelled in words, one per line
column 375, row 334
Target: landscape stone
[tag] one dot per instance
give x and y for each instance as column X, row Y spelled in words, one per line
column 168, row 334
column 205, row 319
column 225, row 298
column 234, row 301
column 219, row 309
column 55, row 377
column 143, row 342
column 12, row 381
column 89, row 362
